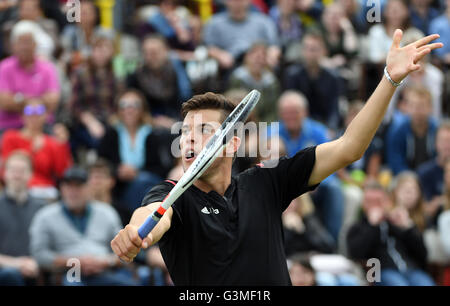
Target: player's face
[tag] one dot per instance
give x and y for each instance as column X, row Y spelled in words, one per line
column 198, row 127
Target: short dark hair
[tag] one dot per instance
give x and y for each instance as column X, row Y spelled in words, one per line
column 208, row 100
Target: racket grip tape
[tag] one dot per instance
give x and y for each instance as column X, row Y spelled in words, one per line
column 148, row 226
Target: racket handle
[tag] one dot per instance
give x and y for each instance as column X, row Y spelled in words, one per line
column 147, row 227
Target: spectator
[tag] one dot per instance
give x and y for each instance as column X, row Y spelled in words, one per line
column 356, row 13
column 441, row 26
column 298, row 132
column 50, row 155
column 319, row 85
column 407, row 194
column 254, row 74
column 77, row 39
column 288, row 23
column 431, row 173
column 24, row 76
column 303, row 231
column 93, row 90
column 230, row 34
column 17, row 267
column 139, row 153
column 31, row 10
column 340, row 36
column 101, row 182
column 395, row 16
column 78, row 228
column 422, row 13
column 171, row 21
column 412, row 143
column 162, row 79
column 390, row 236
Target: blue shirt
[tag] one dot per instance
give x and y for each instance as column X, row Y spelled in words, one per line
column 441, row 26
column 423, row 24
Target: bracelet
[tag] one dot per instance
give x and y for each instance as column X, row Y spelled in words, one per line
column 386, row 74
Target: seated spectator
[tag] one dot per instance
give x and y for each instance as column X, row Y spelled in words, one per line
column 441, row 26
column 320, row 85
column 339, row 36
column 162, row 79
column 390, row 236
column 407, row 194
column 77, row 38
column 138, row 152
column 31, row 10
column 412, row 142
column 356, row 12
column 17, row 208
column 290, row 28
column 77, row 227
column 422, row 13
column 230, row 34
column 254, row 74
column 24, row 76
column 298, row 132
column 50, row 154
column 94, row 88
column 101, row 183
column 395, row 16
column 303, row 231
column 431, row 173
column 171, row 21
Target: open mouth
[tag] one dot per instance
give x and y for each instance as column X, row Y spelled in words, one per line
column 190, row 155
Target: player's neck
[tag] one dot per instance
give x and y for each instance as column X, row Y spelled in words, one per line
column 219, row 181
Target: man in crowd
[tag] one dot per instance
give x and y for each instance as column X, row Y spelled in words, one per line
column 17, row 208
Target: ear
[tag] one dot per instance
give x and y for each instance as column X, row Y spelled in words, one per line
column 232, row 146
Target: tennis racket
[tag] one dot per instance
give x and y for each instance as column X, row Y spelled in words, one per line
column 206, row 157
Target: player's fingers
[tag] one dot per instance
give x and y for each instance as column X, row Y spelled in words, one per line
column 421, row 54
column 133, row 235
column 118, row 250
column 426, row 40
column 129, row 248
column 147, row 241
column 397, row 38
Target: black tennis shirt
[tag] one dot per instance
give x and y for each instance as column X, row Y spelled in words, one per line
column 236, row 239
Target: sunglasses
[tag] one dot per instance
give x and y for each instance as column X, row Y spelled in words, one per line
column 31, row 110
column 136, row 104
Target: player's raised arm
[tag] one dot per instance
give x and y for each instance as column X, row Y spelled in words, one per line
column 400, row 61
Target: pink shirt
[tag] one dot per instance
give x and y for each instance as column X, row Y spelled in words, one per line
column 40, row 79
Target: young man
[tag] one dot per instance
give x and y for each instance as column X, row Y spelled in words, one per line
column 228, row 231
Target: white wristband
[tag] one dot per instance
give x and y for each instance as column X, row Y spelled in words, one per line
column 386, row 74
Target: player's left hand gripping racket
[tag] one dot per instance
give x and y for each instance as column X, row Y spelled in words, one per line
column 206, row 157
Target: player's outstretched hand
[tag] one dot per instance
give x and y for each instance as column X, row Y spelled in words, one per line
column 127, row 243
column 401, row 61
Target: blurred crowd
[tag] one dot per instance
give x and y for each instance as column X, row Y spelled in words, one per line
column 87, row 111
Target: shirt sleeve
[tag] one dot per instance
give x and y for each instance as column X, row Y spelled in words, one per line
column 291, row 175
column 158, row 192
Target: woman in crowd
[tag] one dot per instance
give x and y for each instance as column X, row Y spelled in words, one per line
column 50, row 155
column 93, row 90
column 255, row 74
column 139, row 153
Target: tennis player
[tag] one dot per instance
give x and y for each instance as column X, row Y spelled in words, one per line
column 226, row 230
